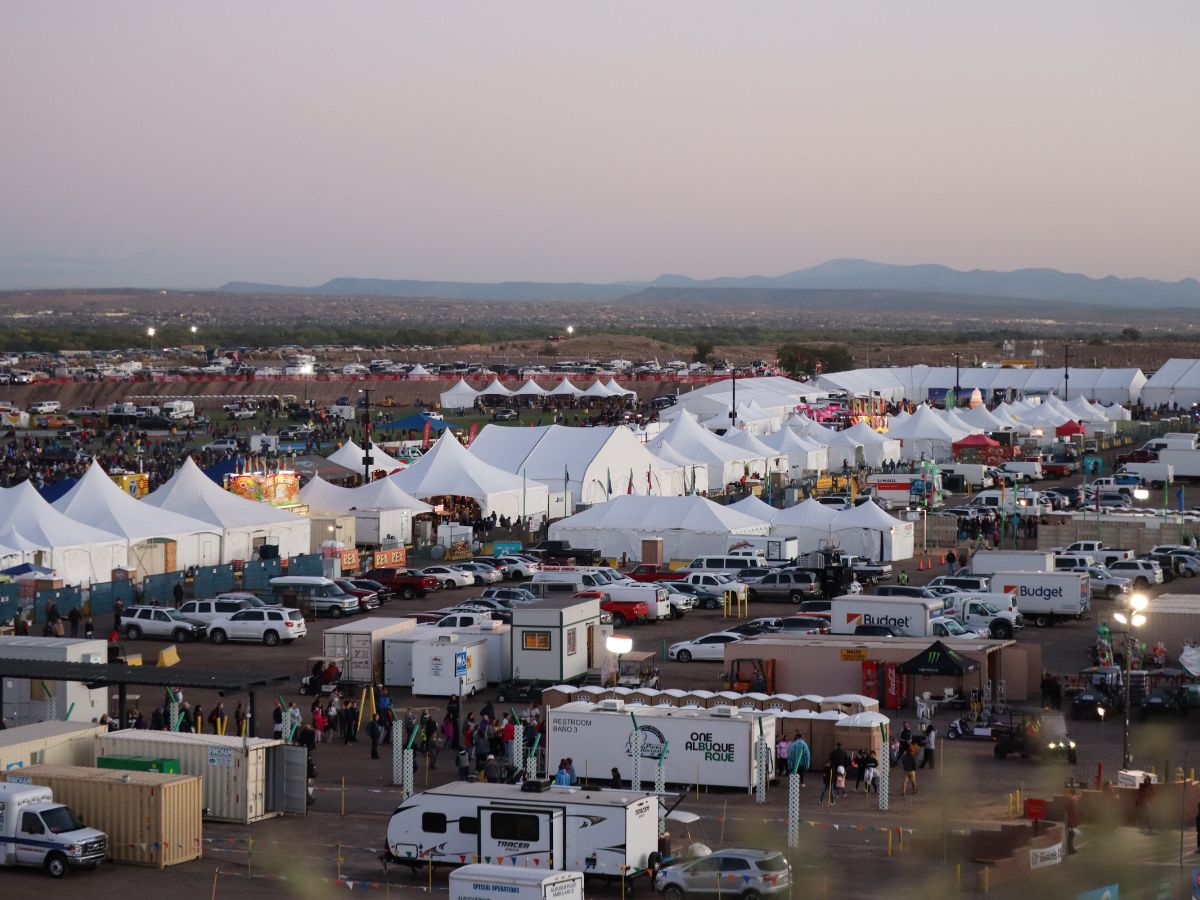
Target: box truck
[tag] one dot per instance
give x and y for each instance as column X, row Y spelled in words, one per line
column 483, row 882
column 906, row 616
column 360, row 644
column 1046, row 598
column 1154, row 474
column 989, row 562
column 1185, row 464
column 715, row 745
column 36, row 831
column 606, row 833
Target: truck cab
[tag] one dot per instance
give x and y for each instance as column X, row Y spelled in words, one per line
column 36, row 831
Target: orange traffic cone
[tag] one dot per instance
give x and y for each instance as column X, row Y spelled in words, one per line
column 943, row 559
column 920, row 564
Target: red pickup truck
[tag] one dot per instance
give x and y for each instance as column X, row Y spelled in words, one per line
column 623, row 612
column 404, row 583
column 650, row 572
column 1137, row 456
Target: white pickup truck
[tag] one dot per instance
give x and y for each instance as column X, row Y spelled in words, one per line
column 1101, row 555
column 988, row 613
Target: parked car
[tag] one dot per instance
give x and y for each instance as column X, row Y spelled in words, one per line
column 367, row 599
column 519, row 566
column 505, row 415
column 480, row 574
column 804, row 625
column 382, row 591
column 404, row 583
column 207, row 610
column 157, row 622
column 504, row 568
column 706, row 647
column 223, row 445
column 1143, row 572
column 450, row 577
column 757, row 873
column 794, row 586
column 266, row 626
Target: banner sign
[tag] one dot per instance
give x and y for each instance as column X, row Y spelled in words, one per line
column 391, row 559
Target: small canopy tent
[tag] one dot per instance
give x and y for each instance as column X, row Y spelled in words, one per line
column 461, row 396
column 1070, row 428
column 350, row 455
column 689, row 526
column 450, row 470
column 597, row 390
column 417, row 370
column 866, row 530
column 530, row 389
column 244, row 524
column 96, row 500
column 975, row 442
column 495, row 389
column 615, row 389
column 938, row 659
column 565, row 389
column 80, row 553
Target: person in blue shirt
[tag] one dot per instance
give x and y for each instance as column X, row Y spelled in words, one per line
column 563, row 778
column 798, row 756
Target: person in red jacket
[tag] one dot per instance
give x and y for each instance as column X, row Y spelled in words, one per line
column 508, row 733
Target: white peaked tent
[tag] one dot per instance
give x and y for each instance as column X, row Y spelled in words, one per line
column 593, row 460
column 845, row 450
column 877, row 448
column 461, row 396
column 925, row 435
column 980, row 417
column 751, row 445
column 755, row 508
column 530, row 389
column 79, row 553
column 96, row 500
column 693, row 472
column 350, row 455
column 689, row 526
column 899, row 417
column 615, row 389
column 1176, row 381
column 381, row 494
column 803, row 453
column 418, row 369
column 450, row 470
column 597, row 391
column 725, row 462
column 809, row 522
column 565, row 389
column 866, row 530
column 495, row 389
column 955, row 420
column 244, row 524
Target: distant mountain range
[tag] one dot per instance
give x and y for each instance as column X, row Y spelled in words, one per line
column 835, row 275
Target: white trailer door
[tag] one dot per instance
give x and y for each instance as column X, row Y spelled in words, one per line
column 525, row 836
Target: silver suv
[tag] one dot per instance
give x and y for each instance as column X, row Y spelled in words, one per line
column 1143, row 572
column 154, row 621
column 793, row 586
column 207, row 610
column 745, row 873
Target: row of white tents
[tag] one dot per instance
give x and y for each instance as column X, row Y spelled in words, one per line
column 463, row 396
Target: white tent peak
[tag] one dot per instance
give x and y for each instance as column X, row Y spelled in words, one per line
column 190, row 492
column 96, row 500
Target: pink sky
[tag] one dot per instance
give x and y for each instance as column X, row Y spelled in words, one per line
column 189, row 143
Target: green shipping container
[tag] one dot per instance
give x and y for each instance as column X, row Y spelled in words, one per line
column 139, row 764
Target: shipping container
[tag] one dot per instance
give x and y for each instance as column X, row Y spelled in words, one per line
column 26, row 701
column 151, row 819
column 245, row 780
column 360, row 644
column 49, row 743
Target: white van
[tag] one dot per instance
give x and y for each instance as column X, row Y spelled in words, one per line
column 179, row 409
column 724, row 565
column 313, row 595
column 45, row 407
column 1025, row 501
column 1023, row 470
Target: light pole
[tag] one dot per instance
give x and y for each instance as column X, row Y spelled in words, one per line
column 368, row 460
column 1133, row 618
column 150, row 332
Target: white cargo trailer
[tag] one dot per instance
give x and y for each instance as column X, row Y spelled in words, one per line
column 360, row 644
column 481, row 881
column 448, row 664
column 598, row 832
column 383, row 526
column 398, row 656
column 498, row 636
column 715, row 746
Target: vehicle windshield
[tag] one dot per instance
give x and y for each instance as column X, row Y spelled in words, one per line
column 953, row 627
column 331, row 590
column 61, row 820
column 601, row 577
column 723, row 579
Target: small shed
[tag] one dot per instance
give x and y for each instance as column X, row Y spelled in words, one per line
column 557, row 639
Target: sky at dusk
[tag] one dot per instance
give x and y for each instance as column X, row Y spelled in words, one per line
column 185, row 144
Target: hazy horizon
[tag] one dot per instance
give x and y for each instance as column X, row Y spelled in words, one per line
column 187, row 145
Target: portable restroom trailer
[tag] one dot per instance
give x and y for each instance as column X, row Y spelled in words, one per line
column 245, row 779
column 151, row 819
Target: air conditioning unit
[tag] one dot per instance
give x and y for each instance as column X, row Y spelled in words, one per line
column 488, row 625
column 93, row 658
column 611, row 705
column 447, row 639
column 724, row 712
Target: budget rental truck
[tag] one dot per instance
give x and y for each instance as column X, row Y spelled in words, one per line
column 906, row 616
column 36, row 831
column 1046, row 598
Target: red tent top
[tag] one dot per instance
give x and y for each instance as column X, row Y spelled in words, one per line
column 1068, row 428
column 975, row 440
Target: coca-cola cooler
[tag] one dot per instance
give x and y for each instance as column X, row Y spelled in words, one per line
column 894, row 686
column 870, row 679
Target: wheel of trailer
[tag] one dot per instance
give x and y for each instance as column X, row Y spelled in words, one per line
column 56, row 865
column 683, row 656
column 271, row 638
column 1041, row 621
column 218, row 636
column 1002, row 630
column 133, row 632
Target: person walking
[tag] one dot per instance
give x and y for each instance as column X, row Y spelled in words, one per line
column 908, row 764
column 799, row 757
column 177, row 594
column 277, row 721
column 74, row 617
column 928, row 746
column 781, row 755
column 828, row 785
column 951, row 559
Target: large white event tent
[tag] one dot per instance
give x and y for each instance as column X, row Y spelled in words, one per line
column 866, row 530
column 804, row 454
column 244, row 524
column 350, row 455
column 925, row 435
column 755, row 508
column 382, row 493
column 773, row 394
column 615, row 389
column 693, row 471
column 689, row 526
column 449, row 470
column 461, row 396
column 1177, row 381
column 726, row 463
column 920, row 383
column 96, row 500
column 597, row 463
column 810, row 522
column 80, row 553
column 530, row 389
column 752, row 446
column 877, row 448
